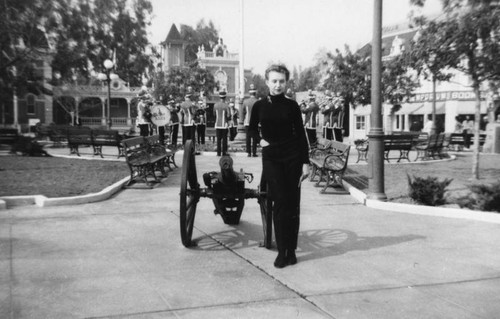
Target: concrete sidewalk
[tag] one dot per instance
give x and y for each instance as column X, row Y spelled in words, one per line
column 123, row 258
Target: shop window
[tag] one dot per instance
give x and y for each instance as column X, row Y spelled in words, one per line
column 30, row 104
column 360, row 122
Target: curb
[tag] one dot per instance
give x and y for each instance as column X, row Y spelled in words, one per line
column 459, row 213
column 42, row 201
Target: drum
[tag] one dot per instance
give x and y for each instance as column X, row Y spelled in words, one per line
column 160, row 115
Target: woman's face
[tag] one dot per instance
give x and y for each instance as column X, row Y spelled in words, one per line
column 276, row 83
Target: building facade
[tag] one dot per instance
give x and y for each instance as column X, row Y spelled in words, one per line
column 453, row 99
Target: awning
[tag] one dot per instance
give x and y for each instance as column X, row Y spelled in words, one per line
column 422, row 108
column 469, row 107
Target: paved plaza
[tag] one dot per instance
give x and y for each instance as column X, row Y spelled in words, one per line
column 123, row 258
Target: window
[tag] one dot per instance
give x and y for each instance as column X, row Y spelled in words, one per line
column 30, row 104
column 360, row 122
column 400, row 122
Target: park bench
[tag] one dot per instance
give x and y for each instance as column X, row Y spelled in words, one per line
column 9, row 136
column 58, row 134
column 157, row 148
column 362, row 149
column 328, row 161
column 102, row 138
column 457, row 141
column 78, row 136
column 143, row 160
column 427, row 149
column 401, row 143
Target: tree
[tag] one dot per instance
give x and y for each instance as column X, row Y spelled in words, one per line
column 177, row 81
column 308, row 79
column 432, row 56
column 23, row 42
column 96, row 30
column 474, row 29
column 398, row 82
column 346, row 74
column 204, row 35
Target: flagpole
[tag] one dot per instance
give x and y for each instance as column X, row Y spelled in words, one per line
column 241, row 128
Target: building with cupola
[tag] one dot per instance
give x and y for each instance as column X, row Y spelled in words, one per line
column 223, row 64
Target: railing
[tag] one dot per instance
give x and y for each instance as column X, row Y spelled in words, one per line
column 119, row 121
column 115, row 121
column 90, row 121
column 229, row 56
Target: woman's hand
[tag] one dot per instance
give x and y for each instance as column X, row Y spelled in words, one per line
column 305, row 173
column 264, row 143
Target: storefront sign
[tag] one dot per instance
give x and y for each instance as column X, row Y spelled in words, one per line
column 446, row 96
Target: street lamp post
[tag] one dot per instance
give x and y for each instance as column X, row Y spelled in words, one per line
column 376, row 134
column 108, row 77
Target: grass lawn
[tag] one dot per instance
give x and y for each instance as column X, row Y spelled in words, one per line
column 57, row 177
column 460, row 170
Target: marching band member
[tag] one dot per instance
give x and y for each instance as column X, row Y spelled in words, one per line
column 251, row 139
column 201, row 122
column 174, row 120
column 310, row 109
column 338, row 119
column 222, row 114
column 187, row 112
column 143, row 112
column 233, row 122
column 327, row 111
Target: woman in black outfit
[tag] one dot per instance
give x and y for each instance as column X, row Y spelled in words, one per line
column 285, row 160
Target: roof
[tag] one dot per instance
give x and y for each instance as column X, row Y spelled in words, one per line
column 174, row 35
column 405, row 36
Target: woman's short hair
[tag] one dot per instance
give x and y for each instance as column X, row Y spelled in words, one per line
column 280, row 68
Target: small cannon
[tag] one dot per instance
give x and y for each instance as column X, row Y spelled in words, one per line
column 227, row 191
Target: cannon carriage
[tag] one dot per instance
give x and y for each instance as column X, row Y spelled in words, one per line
column 227, row 190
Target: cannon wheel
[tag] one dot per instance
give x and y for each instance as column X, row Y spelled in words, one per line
column 190, row 194
column 266, row 211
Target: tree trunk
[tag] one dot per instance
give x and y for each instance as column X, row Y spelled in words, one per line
column 477, row 120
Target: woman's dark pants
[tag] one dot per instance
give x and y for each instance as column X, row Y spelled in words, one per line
column 283, row 177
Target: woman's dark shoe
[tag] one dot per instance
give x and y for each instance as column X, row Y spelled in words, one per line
column 281, row 260
column 291, row 258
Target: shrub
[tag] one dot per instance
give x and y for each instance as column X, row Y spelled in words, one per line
column 27, row 146
column 484, row 197
column 427, row 191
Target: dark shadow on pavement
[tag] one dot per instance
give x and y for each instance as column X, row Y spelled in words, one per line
column 313, row 244
column 321, row 243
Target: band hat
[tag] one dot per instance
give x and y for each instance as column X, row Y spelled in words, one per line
column 222, row 93
column 252, row 89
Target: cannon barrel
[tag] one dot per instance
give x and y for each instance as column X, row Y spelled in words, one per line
column 227, row 174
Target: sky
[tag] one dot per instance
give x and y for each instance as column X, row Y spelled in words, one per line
column 286, row 31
